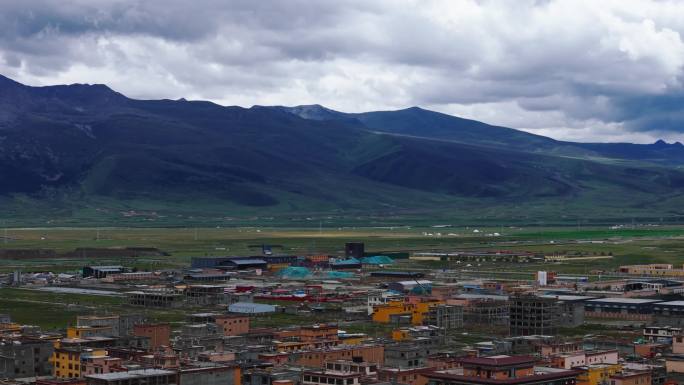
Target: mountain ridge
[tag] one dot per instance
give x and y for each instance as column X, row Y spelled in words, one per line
column 74, row 146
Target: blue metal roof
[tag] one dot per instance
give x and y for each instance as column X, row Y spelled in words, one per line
column 248, row 261
column 350, row 261
column 249, row 307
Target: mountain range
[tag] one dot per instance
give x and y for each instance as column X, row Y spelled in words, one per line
column 79, row 151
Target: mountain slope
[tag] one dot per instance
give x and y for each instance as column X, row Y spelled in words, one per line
column 86, row 147
column 422, row 123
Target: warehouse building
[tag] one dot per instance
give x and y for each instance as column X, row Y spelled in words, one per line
column 622, row 308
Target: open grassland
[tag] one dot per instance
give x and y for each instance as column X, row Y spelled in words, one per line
column 639, row 245
column 656, row 244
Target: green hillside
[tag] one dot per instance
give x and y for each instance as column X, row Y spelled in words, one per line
column 86, row 154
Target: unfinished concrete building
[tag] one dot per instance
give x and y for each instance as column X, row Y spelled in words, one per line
column 532, row 315
column 487, row 312
column 445, row 316
column 204, row 294
column 154, row 299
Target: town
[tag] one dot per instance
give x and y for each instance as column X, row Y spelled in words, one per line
column 356, row 318
column 345, row 192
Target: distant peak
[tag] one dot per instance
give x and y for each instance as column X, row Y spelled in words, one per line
column 314, row 112
column 312, row 107
column 4, row 80
column 660, row 143
column 96, row 86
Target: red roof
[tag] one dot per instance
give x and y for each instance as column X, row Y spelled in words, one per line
column 509, row 381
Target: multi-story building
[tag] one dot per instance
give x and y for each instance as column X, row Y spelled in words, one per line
column 532, row 315
column 572, row 309
column 153, row 298
column 233, row 324
column 487, row 311
column 69, row 362
column 414, row 376
column 381, row 297
column 406, row 355
column 159, row 334
column 503, row 370
column 373, row 353
column 597, row 374
column 25, row 357
column 658, row 371
column 620, row 308
column 570, row 360
column 98, row 364
column 209, row 374
column 447, row 317
column 91, row 331
column 663, row 334
column 652, row 270
column 119, row 325
column 631, row 378
column 324, row 377
column 670, row 313
column 401, row 312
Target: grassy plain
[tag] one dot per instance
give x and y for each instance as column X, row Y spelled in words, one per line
column 626, row 245
column 643, row 244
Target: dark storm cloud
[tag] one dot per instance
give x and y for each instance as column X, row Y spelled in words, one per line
column 572, row 69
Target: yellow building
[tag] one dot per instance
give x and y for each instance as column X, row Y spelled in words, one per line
column 597, row 374
column 10, row 328
column 277, row 266
column 69, row 362
column 653, row 269
column 416, row 311
column 400, row 335
column 89, row 331
column 353, row 339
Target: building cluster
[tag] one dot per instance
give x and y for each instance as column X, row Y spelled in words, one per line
column 384, row 325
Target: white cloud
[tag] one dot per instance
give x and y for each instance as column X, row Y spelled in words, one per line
column 581, row 70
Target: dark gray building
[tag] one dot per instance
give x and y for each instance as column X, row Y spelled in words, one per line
column 261, row 376
column 210, row 374
column 532, row 315
column 572, row 309
column 445, row 316
column 406, row 355
column 25, row 358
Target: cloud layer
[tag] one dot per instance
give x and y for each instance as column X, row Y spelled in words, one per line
column 581, row 70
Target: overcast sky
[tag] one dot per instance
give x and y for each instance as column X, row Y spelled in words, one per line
column 587, row 71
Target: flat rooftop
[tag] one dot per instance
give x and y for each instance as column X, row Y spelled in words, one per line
column 131, row 374
column 570, row 298
column 631, row 301
column 671, row 303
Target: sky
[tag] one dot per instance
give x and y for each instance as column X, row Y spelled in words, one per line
column 608, row 70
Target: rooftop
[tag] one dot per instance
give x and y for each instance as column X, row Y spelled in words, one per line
column 501, row 360
column 671, row 303
column 539, row 376
column 247, row 261
column 632, row 301
column 131, row 374
column 568, row 298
